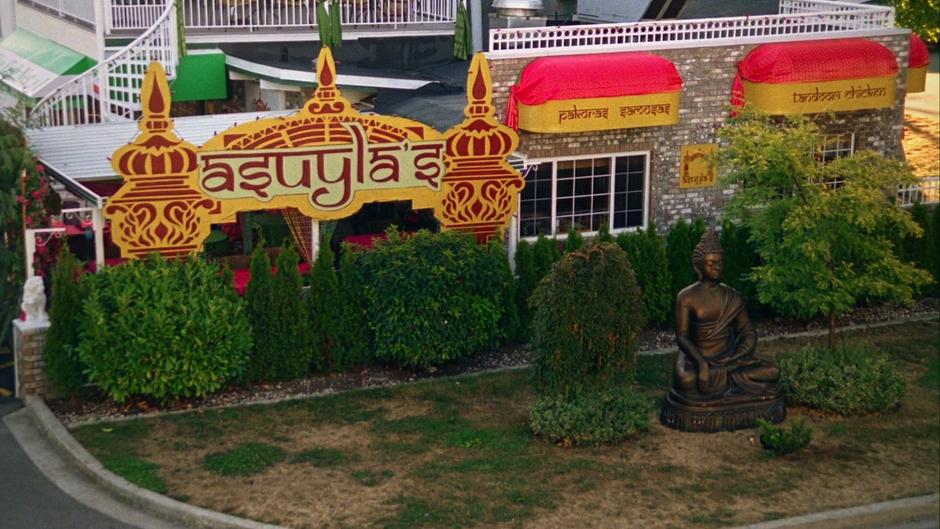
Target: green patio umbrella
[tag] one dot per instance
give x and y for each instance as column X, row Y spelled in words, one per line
column 463, row 44
column 336, row 25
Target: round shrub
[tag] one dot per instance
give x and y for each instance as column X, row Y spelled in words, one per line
column 163, row 329
column 430, row 297
column 588, row 313
column 848, row 381
column 591, row 418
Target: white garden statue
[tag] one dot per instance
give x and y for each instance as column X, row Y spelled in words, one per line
column 34, row 301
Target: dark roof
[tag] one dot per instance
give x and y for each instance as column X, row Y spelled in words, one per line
column 728, row 8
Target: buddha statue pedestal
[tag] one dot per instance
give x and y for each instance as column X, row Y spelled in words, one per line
column 718, row 384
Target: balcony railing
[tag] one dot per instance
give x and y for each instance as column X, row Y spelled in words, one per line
column 111, row 90
column 802, row 19
column 264, row 14
column 83, row 10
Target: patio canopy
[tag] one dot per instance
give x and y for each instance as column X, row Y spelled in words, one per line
column 595, row 92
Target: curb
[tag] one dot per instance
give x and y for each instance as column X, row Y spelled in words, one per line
column 873, row 516
column 930, row 316
column 150, row 502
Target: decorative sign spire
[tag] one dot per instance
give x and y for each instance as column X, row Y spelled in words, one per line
column 327, row 98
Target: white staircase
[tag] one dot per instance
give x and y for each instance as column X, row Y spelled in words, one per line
column 111, row 90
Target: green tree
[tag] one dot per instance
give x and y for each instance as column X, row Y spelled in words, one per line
column 287, row 299
column 545, row 252
column 61, row 353
column 823, row 247
column 740, row 259
column 921, row 16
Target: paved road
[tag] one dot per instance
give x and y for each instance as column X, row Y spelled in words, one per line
column 28, row 500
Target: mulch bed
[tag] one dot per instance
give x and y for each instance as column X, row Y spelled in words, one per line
column 96, row 406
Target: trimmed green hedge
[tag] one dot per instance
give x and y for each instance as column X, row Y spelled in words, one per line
column 163, row 329
column 591, row 418
column 430, row 298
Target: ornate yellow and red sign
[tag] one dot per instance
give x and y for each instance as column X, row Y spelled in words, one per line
column 595, row 92
column 917, row 62
column 325, row 161
column 817, row 76
column 696, row 168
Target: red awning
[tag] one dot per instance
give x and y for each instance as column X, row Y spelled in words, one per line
column 816, row 60
column 592, row 75
column 919, row 56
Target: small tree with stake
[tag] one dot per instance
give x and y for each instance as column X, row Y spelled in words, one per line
column 825, row 232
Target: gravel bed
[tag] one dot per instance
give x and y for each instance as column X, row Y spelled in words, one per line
column 94, row 406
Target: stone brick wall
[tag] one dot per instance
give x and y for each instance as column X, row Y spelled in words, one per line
column 28, row 344
column 708, row 73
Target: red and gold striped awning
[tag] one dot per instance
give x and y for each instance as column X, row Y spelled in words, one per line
column 917, row 62
column 595, row 92
column 817, row 76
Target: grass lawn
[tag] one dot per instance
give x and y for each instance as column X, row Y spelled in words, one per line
column 457, row 453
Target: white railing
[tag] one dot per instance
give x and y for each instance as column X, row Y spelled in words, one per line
column 83, row 10
column 261, row 14
column 925, row 191
column 795, row 7
column 111, row 90
column 701, row 32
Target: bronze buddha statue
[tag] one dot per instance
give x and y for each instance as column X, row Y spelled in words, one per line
column 718, row 384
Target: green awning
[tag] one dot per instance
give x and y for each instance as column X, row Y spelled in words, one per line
column 200, row 78
column 47, row 53
column 32, row 66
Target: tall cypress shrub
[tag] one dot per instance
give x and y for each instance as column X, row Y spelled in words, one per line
column 352, row 331
column 647, row 253
column 680, row 242
column 262, row 363
column 574, row 241
column 931, row 236
column 292, row 337
column 324, row 308
column 545, row 253
column 527, row 279
column 61, row 353
column 739, row 259
column 509, row 324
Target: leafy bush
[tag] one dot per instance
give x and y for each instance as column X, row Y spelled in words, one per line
column 680, row 242
column 325, row 309
column 588, row 313
column 647, row 253
column 274, row 303
column 430, row 298
column 922, row 251
column 61, row 352
column 163, row 329
column 846, row 380
column 782, row 440
column 591, row 418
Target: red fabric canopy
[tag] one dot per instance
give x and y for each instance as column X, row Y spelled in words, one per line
column 815, row 60
column 592, row 75
column 919, row 56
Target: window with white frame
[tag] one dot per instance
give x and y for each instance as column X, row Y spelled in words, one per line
column 585, row 193
column 833, row 147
